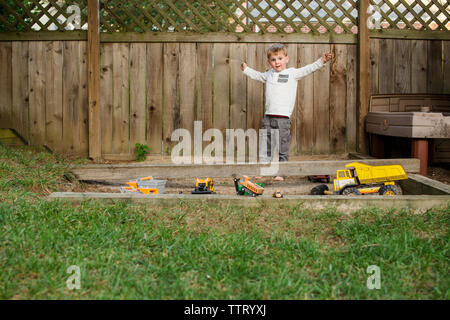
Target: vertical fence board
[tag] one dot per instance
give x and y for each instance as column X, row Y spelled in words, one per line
column 363, row 70
column 321, row 103
column 121, row 101
column 256, row 59
column 418, row 66
column 71, row 97
column 266, row 67
column 386, row 67
column 93, row 72
column 171, row 103
column 5, row 85
column 84, row 100
column 434, row 84
column 305, row 111
column 221, row 73
column 292, row 53
column 374, row 60
column 154, row 103
column 238, row 94
column 37, row 69
column 402, row 66
column 338, row 99
column 446, row 68
column 238, row 87
column 204, row 85
column 138, row 94
column 20, row 93
column 351, row 114
column 187, row 85
column 106, row 96
column 53, row 95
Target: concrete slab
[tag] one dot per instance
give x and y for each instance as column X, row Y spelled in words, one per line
column 418, row 184
column 340, row 203
column 120, row 173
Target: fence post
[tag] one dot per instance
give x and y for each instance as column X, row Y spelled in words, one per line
column 94, row 79
column 363, row 75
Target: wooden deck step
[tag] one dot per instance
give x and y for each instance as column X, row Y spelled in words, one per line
column 9, row 137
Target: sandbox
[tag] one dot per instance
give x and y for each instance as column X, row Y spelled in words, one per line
column 419, row 192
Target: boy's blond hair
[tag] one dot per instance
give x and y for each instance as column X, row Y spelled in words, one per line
column 275, row 48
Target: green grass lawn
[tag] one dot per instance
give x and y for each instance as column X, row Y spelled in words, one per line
column 204, row 251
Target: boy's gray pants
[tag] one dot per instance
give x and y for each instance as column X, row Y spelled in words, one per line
column 283, row 125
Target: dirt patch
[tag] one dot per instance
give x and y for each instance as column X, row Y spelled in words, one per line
column 77, row 186
column 224, row 186
column 293, row 185
column 290, row 186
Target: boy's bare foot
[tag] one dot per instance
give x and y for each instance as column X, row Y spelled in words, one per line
column 278, row 178
column 258, row 178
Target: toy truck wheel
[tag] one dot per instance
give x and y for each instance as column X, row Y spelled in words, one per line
column 319, row 190
column 351, row 192
column 398, row 190
column 251, row 193
column 390, row 190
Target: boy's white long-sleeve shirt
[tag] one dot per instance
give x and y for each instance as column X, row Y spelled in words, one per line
column 281, row 87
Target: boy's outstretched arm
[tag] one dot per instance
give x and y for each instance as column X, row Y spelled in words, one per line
column 255, row 75
column 310, row 68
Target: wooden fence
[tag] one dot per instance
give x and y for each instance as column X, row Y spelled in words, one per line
column 149, row 89
column 43, row 93
column 166, row 77
column 410, row 66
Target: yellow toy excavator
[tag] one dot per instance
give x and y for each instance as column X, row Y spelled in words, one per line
column 361, row 178
column 204, row 186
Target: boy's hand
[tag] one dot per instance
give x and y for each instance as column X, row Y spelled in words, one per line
column 327, row 57
column 243, row 66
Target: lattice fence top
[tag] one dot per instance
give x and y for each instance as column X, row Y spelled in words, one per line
column 248, row 16
column 260, row 16
column 48, row 15
column 412, row 14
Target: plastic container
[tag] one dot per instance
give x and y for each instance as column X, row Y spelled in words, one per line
column 152, row 183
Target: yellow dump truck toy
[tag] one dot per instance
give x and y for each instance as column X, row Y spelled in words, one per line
column 359, row 178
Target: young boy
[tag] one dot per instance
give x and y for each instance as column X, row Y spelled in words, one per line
column 281, row 90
